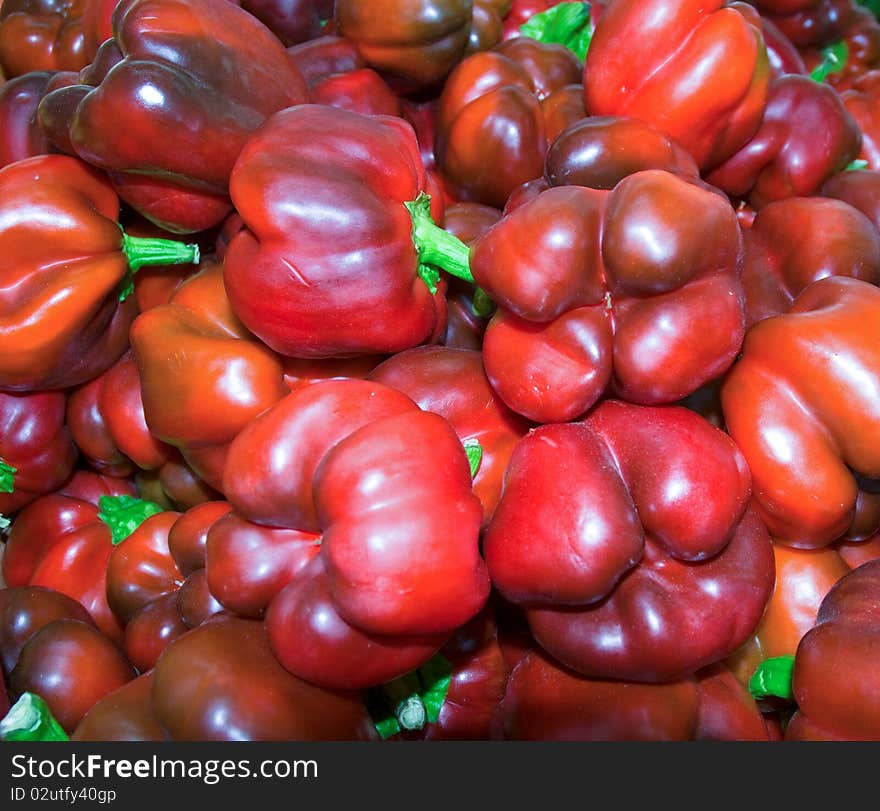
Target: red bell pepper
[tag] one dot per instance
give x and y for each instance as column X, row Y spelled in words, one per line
column 800, row 405
column 203, row 376
column 63, row 541
column 795, row 241
column 588, row 300
column 24, row 610
column 125, row 714
column 205, row 70
column 21, row 135
column 698, row 71
column 491, row 135
column 415, row 43
column 70, row 665
column 600, row 151
column 830, row 681
column 38, row 35
column 65, row 266
column 220, row 681
column 452, row 383
column 786, row 157
column 310, row 285
column 634, row 556
column 861, row 101
column 37, row 453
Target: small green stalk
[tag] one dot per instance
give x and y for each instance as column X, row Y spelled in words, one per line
column 7, row 477
column 772, row 679
column 834, row 59
column 146, row 251
column 412, row 700
column 30, row 719
column 567, row 24
column 124, row 514
column 474, row 451
column 856, row 165
column 435, row 247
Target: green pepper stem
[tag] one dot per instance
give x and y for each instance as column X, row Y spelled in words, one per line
column 474, row 452
column 834, row 59
column 142, row 251
column 124, row 514
column 412, row 700
column 567, row 24
column 30, row 719
column 772, row 679
column 7, row 477
column 435, row 246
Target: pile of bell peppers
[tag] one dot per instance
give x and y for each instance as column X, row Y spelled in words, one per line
column 439, row 369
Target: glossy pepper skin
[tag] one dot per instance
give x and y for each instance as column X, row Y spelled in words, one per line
column 545, row 701
column 71, row 665
column 61, row 321
column 313, row 286
column 40, row 35
column 452, row 383
column 35, row 441
column 803, row 578
column 491, row 133
column 834, row 681
column 220, row 681
column 415, row 44
column 20, row 133
column 627, row 539
column 207, row 71
column 598, row 290
column 700, row 72
column 796, row 241
column 399, row 526
column 800, row 405
column 203, row 376
column 59, row 542
column 600, row 151
column 861, row 101
column 124, row 714
column 786, row 157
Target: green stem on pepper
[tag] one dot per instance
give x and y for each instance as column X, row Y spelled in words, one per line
column 834, row 59
column 124, row 514
column 146, row 251
column 409, row 702
column 474, row 451
column 772, row 679
column 567, row 24
column 7, row 477
column 30, row 719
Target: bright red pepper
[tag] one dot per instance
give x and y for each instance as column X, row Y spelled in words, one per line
column 21, row 135
column 37, row 35
column 491, row 135
column 65, row 266
column 834, row 682
column 634, row 556
column 452, row 383
column 220, row 681
column 36, row 451
column 696, row 70
column 205, row 70
column 800, row 405
column 787, row 157
column 795, row 241
column 310, row 285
